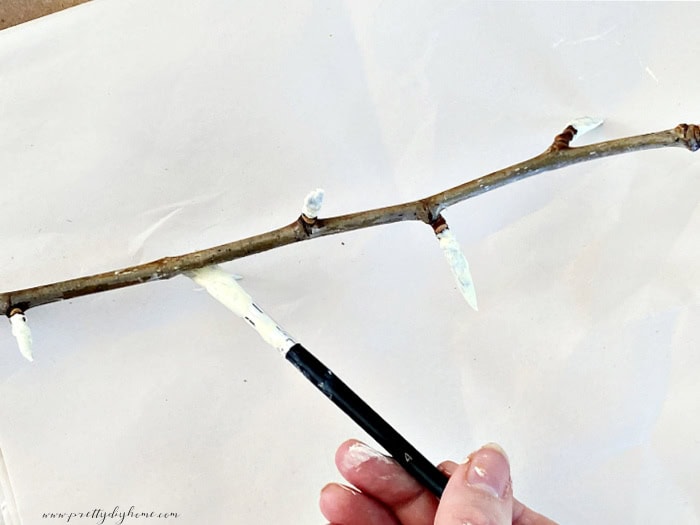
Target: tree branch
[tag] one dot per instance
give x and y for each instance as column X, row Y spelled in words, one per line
column 427, row 210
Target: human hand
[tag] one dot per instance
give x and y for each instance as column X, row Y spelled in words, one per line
column 479, row 492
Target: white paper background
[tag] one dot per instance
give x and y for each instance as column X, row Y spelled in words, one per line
column 134, row 130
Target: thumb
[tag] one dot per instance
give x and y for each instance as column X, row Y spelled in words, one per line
column 479, row 491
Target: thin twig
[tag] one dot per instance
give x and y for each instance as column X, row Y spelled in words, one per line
column 428, row 209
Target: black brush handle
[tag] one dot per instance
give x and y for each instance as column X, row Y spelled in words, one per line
column 349, row 402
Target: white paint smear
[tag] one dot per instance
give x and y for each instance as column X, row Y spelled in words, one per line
column 651, row 74
column 21, row 331
column 137, row 242
column 359, row 453
column 585, row 124
column 312, row 203
column 223, row 287
column 459, row 266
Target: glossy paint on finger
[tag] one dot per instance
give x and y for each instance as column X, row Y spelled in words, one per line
column 359, row 453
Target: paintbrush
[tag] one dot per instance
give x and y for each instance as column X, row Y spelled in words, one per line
column 223, row 287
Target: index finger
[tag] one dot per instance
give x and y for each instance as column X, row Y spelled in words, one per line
column 382, row 478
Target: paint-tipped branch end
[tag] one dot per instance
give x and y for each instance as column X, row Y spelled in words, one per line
column 689, row 135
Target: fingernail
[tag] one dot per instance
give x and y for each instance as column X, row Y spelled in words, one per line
column 335, row 487
column 489, row 470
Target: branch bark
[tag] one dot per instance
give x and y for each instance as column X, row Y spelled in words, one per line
column 427, row 210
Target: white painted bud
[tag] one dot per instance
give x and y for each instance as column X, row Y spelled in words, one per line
column 312, row 203
column 459, row 265
column 21, row 331
column 583, row 125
